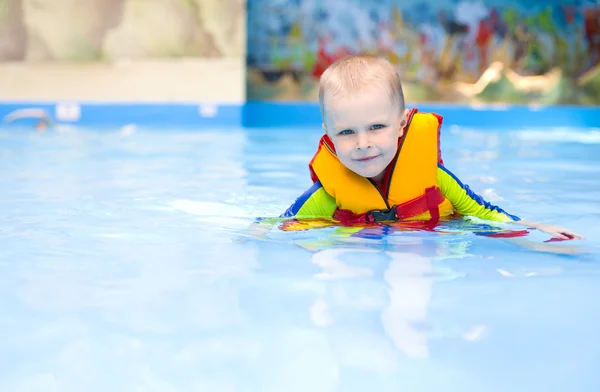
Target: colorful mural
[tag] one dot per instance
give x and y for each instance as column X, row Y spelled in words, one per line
column 513, row 51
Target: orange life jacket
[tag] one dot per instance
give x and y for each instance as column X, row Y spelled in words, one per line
column 412, row 193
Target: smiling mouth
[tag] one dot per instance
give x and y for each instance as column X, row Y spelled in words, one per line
column 366, row 159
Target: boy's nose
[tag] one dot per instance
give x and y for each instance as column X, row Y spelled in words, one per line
column 362, row 142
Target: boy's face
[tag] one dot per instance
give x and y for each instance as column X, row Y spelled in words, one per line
column 364, row 127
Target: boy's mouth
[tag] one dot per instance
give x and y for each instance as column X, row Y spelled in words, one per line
column 366, row 159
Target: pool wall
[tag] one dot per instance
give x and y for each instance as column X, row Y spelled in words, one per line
column 290, row 114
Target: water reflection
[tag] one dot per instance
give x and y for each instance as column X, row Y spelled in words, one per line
column 400, row 294
column 405, row 318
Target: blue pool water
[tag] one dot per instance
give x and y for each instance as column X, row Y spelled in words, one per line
column 126, row 265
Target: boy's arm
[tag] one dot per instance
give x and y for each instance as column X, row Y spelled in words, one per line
column 314, row 203
column 466, row 202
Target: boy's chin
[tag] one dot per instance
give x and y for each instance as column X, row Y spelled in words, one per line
column 371, row 174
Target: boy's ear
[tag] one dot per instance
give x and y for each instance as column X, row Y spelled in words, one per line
column 405, row 117
column 403, row 122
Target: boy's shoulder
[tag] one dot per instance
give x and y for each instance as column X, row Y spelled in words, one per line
column 315, row 201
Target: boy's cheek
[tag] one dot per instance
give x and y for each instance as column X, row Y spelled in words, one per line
column 341, row 147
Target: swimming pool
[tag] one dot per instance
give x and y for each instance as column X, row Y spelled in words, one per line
column 126, row 266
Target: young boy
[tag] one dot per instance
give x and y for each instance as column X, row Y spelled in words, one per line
column 379, row 162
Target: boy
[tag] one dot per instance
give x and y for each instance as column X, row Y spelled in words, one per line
column 380, row 162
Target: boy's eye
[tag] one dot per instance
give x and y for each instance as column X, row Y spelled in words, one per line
column 377, row 126
column 346, row 132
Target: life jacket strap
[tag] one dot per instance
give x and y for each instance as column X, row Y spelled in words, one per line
column 429, row 201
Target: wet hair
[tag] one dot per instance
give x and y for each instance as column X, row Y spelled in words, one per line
column 352, row 73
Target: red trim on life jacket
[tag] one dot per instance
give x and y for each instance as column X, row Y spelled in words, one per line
column 327, row 140
column 428, row 202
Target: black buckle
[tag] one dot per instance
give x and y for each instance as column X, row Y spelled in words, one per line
column 382, row 215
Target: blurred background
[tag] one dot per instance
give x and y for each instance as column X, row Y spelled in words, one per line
column 510, row 51
column 131, row 50
column 516, row 51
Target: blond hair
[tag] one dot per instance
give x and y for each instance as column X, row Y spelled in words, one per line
column 354, row 72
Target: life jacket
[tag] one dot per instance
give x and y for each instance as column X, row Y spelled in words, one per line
column 412, row 191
